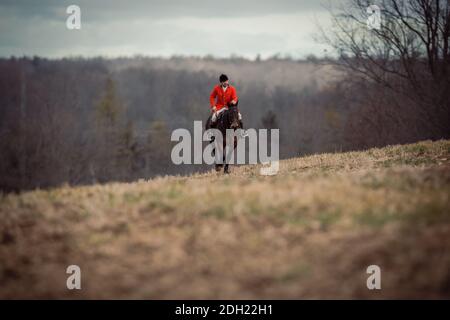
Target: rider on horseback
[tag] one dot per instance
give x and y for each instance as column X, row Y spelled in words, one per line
column 222, row 96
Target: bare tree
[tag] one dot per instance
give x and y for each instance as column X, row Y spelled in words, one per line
column 408, row 54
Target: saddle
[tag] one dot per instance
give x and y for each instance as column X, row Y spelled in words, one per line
column 214, row 118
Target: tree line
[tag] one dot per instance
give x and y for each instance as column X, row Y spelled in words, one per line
column 83, row 121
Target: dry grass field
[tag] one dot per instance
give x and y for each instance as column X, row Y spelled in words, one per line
column 308, row 232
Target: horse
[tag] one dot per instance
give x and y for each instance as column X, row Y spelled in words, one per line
column 227, row 119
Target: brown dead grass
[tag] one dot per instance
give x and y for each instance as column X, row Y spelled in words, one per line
column 308, row 232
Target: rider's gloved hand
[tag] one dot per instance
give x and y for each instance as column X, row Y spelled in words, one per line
column 214, row 114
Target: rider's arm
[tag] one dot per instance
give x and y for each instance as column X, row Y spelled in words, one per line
column 212, row 98
column 234, row 97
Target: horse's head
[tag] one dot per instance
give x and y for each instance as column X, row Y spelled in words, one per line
column 233, row 116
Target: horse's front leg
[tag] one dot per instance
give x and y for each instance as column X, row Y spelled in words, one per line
column 226, row 168
column 218, row 166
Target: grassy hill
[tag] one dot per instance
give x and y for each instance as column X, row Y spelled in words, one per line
column 309, row 232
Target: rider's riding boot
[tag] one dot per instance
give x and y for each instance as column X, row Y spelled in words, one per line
column 211, row 125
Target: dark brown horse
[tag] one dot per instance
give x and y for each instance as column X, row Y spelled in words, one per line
column 228, row 119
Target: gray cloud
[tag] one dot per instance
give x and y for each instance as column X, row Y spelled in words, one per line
column 113, row 9
column 165, row 27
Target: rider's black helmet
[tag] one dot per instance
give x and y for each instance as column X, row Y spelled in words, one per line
column 223, row 78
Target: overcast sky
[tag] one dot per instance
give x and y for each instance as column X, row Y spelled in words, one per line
column 162, row 27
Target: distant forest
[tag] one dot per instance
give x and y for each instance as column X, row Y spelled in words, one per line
column 81, row 121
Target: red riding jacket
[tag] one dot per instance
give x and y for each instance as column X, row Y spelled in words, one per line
column 223, row 97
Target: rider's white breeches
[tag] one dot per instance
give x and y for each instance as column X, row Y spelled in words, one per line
column 214, row 117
